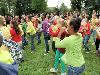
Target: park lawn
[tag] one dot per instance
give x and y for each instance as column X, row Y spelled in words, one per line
column 38, row 64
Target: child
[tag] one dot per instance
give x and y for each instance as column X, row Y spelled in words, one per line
column 59, row 54
column 24, row 27
column 39, row 31
column 73, row 44
column 45, row 33
column 31, row 31
column 16, row 36
column 87, row 34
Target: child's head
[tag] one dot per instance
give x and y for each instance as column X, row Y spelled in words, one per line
column 74, row 25
column 2, row 20
column 87, row 18
column 23, row 20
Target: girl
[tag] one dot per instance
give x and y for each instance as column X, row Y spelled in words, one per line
column 15, row 32
column 73, row 44
column 87, row 34
column 16, row 36
column 59, row 54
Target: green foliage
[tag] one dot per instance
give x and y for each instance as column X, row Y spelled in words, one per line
column 23, row 6
column 7, row 6
column 76, row 4
column 39, row 6
column 88, row 5
column 20, row 7
column 63, row 8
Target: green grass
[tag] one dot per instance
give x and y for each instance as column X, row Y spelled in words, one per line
column 38, row 64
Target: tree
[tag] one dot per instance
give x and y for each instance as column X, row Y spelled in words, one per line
column 3, row 7
column 63, row 8
column 39, row 6
column 76, row 4
column 23, row 7
column 91, row 5
column 7, row 6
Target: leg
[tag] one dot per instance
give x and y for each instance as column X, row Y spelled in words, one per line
column 76, row 70
column 32, row 42
column 56, row 59
column 53, row 47
column 85, row 42
column 97, row 47
column 38, row 37
column 23, row 40
column 46, row 42
column 63, row 66
column 94, row 35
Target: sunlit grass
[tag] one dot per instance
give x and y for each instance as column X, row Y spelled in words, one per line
column 38, row 64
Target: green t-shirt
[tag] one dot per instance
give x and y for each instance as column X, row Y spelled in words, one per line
column 24, row 26
column 73, row 46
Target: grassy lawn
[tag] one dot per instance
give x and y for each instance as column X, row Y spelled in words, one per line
column 38, row 64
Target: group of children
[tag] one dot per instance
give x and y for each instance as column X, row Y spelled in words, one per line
column 69, row 33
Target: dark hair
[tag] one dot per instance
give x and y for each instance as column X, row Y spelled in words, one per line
column 24, row 19
column 29, row 17
column 75, row 22
column 88, row 17
column 16, row 28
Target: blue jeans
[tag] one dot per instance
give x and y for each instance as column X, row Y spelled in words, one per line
column 24, row 40
column 8, row 69
column 46, row 38
column 38, row 36
column 85, row 41
column 76, row 70
column 32, row 42
column 93, row 32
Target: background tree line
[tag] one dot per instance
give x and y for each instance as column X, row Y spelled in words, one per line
column 19, row 7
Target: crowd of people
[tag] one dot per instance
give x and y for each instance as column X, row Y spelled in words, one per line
column 70, row 33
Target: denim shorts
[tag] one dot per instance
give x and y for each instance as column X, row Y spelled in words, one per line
column 76, row 70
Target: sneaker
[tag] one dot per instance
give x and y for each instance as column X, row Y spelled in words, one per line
column 93, row 43
column 63, row 74
column 53, row 70
column 32, row 52
column 87, row 52
column 45, row 53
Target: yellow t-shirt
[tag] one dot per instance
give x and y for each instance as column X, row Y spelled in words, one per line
column 5, row 57
column 6, row 34
column 30, row 28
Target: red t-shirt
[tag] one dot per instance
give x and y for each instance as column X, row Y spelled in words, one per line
column 63, row 35
column 88, row 30
column 15, row 37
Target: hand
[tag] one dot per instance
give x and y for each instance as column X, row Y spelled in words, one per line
column 61, row 31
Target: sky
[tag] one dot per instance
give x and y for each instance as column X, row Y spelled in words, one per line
column 54, row 3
